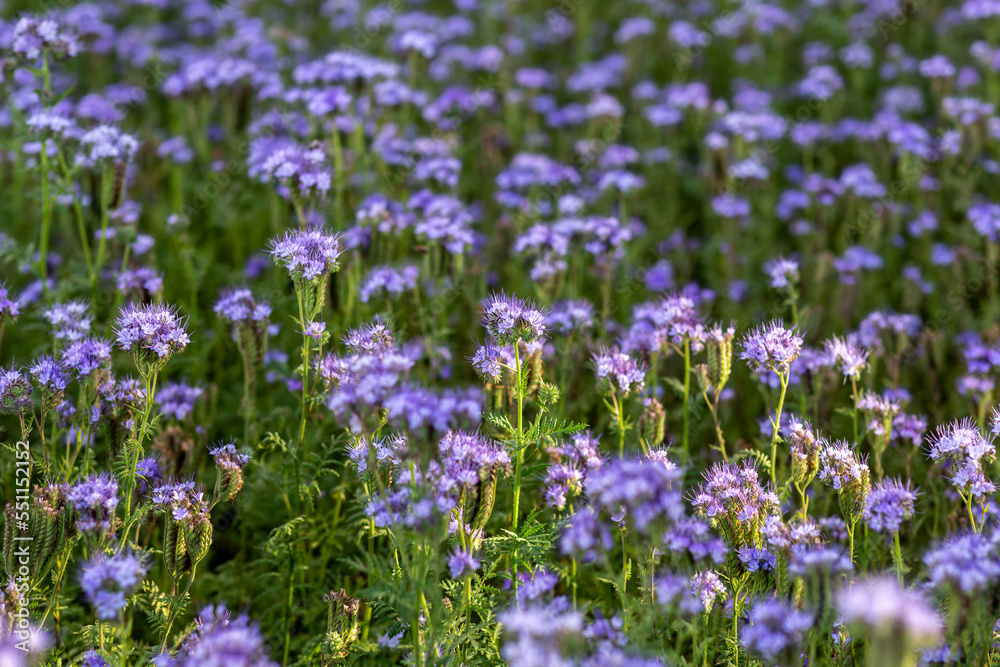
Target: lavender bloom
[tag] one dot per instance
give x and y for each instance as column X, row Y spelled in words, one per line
column 308, row 254
column 964, row 448
column 152, row 333
column 565, row 476
column 617, row 372
column 708, row 587
column 239, row 306
column 177, row 399
column 853, row 358
column 966, row 564
column 106, row 145
column 585, row 537
column 49, row 375
column 508, row 319
column 32, row 35
column 772, row 347
column 85, row 356
column 220, row 639
column 391, row 280
column 540, row 634
column 570, row 316
column 756, row 559
column 15, row 391
column 783, row 272
column 302, row 170
column 462, row 564
column 108, row 580
column 775, row 632
column 846, row 472
column 889, row 614
column 733, row 497
column 680, row 595
column 70, row 320
column 818, row 562
column 95, row 498
column 144, row 282
column 9, row 307
column 649, row 491
column 888, row 504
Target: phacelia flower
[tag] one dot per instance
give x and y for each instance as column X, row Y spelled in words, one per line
column 15, row 391
column 771, row 347
column 151, row 332
column 508, row 319
column 888, row 504
column 107, row 580
column 617, row 372
column 308, row 254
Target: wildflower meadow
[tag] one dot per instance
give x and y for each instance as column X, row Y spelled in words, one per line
column 543, row 333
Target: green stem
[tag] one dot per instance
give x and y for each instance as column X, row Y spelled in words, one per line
column 687, row 390
column 777, row 427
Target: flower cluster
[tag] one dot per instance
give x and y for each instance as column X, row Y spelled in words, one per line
column 108, row 580
column 151, row 333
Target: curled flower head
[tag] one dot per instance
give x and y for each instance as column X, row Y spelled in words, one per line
column 151, row 332
column 15, row 391
column 772, row 347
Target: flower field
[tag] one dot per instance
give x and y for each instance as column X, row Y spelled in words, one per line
column 468, row 332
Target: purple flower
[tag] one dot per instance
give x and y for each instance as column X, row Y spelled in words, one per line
column 33, row 34
column 301, row 169
column 95, row 498
column 756, row 559
column 177, row 399
column 106, row 144
column 774, row 631
column 107, row 580
column 812, row 561
column 49, row 375
column 585, row 537
column 15, row 391
column 889, row 614
column 142, row 281
column 964, row 448
column 888, row 504
column 783, row 272
column 771, row 347
column 85, row 355
column 488, row 362
column 508, row 319
column 617, row 372
column 308, row 254
column 853, row 358
column 221, row 639
column 462, row 563
column 239, row 306
column 966, row 564
column 9, row 306
column 392, row 281
column 151, row 332
column 647, row 489
column 70, row 320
